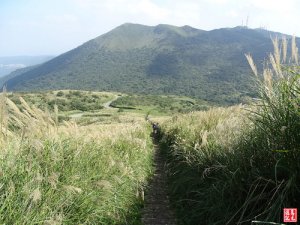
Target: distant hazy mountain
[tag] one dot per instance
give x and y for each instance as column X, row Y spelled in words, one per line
column 15, row 73
column 12, row 63
column 162, row 59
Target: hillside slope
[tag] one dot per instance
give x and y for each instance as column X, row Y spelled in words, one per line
column 163, row 59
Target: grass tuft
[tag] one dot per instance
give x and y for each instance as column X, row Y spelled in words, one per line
column 54, row 173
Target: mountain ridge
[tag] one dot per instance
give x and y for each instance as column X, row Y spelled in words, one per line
column 162, row 59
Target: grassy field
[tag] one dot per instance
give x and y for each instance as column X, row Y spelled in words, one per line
column 66, row 100
column 67, row 157
column 85, row 107
column 64, row 173
column 239, row 165
column 159, row 104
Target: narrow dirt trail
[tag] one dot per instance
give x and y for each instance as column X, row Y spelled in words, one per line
column 157, row 206
column 106, row 105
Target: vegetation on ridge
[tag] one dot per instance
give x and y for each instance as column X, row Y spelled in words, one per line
column 66, row 100
column 160, row 104
column 208, row 65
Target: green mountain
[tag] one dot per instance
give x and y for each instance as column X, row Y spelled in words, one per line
column 163, row 59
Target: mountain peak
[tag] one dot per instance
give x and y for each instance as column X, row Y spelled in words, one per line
column 183, row 31
column 162, row 59
column 130, row 26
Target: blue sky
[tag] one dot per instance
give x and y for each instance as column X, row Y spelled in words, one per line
column 43, row 27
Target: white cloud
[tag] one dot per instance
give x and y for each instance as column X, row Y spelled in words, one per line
column 64, row 18
column 218, row 1
column 139, row 9
column 203, row 14
column 233, row 13
column 148, row 8
column 286, row 6
column 54, row 26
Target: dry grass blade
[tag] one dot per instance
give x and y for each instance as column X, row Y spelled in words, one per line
column 27, row 107
column 275, row 65
column 284, row 49
column 267, row 73
column 3, row 114
column 13, row 107
column 294, row 51
column 36, row 195
column 56, row 114
column 276, row 50
column 252, row 64
column 72, row 189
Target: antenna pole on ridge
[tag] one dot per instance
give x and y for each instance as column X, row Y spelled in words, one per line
column 247, row 20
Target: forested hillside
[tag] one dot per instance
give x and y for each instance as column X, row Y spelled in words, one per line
column 164, row 59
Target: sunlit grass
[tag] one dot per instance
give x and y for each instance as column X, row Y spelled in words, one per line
column 240, row 164
column 53, row 173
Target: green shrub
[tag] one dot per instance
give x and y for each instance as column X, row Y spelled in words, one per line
column 60, row 93
column 75, row 93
